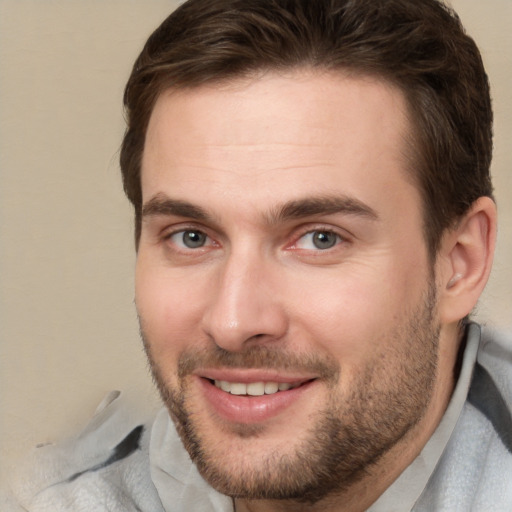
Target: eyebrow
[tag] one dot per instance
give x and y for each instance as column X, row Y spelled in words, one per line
column 322, row 205
column 163, row 205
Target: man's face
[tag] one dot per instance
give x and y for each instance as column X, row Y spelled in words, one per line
column 283, row 286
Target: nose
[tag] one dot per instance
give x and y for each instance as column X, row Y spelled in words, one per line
column 245, row 307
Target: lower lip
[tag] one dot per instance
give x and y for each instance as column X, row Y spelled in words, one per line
column 250, row 409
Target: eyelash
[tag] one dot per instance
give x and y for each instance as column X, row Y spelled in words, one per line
column 340, row 239
column 319, row 232
column 182, row 230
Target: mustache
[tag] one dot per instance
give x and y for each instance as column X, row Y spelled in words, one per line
column 257, row 357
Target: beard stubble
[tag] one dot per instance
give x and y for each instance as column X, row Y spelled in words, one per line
column 346, row 437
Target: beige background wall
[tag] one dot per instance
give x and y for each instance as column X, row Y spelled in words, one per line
column 68, row 332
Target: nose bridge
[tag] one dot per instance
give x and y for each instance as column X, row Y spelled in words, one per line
column 244, row 306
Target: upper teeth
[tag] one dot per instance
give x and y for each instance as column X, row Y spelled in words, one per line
column 253, row 388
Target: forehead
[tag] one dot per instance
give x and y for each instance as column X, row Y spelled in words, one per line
column 278, row 134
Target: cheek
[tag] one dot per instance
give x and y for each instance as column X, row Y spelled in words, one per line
column 169, row 308
column 348, row 315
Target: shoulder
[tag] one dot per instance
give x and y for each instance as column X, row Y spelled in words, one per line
column 105, row 467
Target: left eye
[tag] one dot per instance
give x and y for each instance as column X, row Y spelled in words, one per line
column 319, row 240
column 190, row 239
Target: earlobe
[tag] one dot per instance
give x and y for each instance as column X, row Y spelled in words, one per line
column 466, row 256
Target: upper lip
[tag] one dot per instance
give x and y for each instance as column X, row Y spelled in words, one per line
column 249, row 375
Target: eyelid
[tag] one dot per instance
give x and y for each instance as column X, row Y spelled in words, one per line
column 171, row 230
column 176, row 229
column 343, row 235
column 310, row 239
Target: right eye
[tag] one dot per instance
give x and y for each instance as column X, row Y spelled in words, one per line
column 190, row 239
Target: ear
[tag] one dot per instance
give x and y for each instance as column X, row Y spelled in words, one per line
column 465, row 259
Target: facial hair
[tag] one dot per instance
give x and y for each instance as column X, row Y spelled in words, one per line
column 388, row 397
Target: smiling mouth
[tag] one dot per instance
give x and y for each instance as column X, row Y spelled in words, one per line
column 256, row 388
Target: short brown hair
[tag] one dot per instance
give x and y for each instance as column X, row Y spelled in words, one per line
column 418, row 45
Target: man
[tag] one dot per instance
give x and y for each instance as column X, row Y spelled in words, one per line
column 314, row 224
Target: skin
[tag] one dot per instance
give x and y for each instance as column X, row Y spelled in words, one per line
column 247, row 169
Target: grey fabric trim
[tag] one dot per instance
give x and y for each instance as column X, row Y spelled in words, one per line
column 126, row 447
column 486, row 397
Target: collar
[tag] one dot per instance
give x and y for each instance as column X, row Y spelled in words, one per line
column 176, row 478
